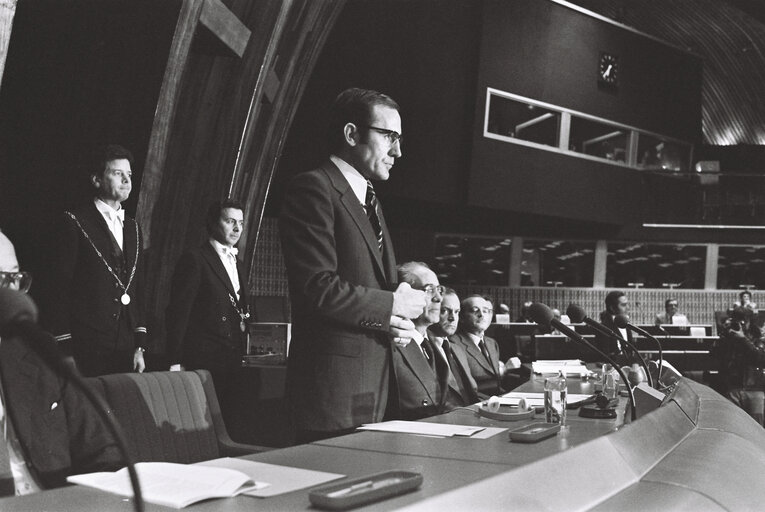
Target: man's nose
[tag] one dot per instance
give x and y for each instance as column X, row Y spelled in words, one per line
column 395, row 149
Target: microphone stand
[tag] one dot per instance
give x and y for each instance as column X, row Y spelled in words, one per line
column 608, row 332
column 646, row 334
column 542, row 315
column 42, row 344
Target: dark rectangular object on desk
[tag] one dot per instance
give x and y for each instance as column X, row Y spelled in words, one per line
column 365, row 489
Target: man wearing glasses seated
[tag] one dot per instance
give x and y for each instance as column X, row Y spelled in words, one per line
column 429, row 378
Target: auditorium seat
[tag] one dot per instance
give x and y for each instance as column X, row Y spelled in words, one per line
column 169, row 416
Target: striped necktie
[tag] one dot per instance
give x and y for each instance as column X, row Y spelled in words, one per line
column 371, row 207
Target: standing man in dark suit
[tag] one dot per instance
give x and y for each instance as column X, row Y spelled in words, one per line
column 616, row 304
column 207, row 314
column 424, row 379
column 341, row 268
column 95, row 303
column 482, row 351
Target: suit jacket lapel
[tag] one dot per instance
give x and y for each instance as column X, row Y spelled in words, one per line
column 19, row 379
column 94, row 224
column 412, row 355
column 474, row 352
column 217, row 267
column 129, row 243
column 359, row 216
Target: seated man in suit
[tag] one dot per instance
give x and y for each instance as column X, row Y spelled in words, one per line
column 425, row 384
column 454, row 354
column 671, row 315
column 51, row 431
column 482, row 351
column 616, row 304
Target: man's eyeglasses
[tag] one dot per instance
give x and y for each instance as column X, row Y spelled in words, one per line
column 476, row 309
column 20, row 281
column 431, row 289
column 391, row 135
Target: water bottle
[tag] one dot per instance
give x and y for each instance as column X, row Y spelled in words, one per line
column 555, row 399
column 610, row 382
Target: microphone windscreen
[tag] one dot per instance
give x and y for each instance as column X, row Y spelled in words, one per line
column 16, row 307
column 575, row 313
column 621, row 321
column 541, row 314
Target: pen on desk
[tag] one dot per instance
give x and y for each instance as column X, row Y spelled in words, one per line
column 352, row 488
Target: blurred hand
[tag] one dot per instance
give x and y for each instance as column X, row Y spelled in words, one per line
column 403, row 331
column 408, row 303
column 138, row 363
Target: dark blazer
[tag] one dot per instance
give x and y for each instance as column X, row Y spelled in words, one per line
column 59, row 431
column 486, row 376
column 201, row 321
column 82, row 302
column 417, row 384
column 611, row 346
column 339, row 360
column 460, row 368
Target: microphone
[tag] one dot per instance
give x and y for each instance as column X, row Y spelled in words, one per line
column 582, row 317
column 543, row 315
column 622, row 321
column 18, row 317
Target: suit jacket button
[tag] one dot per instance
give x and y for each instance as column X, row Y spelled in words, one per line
column 425, row 402
column 223, row 318
column 114, row 315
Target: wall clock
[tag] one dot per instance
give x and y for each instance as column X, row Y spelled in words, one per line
column 608, row 70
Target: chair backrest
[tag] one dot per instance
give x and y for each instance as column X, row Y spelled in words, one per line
column 166, row 416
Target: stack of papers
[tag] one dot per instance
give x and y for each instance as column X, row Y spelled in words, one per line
column 569, row 367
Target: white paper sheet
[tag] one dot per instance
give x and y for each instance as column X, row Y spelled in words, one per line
column 536, row 399
column 283, row 479
column 422, row 428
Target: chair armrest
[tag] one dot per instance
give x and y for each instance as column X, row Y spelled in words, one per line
column 229, row 448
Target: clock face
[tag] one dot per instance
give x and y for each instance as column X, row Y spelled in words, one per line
column 608, row 70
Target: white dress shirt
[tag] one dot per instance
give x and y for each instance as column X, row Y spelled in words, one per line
column 227, row 256
column 115, row 219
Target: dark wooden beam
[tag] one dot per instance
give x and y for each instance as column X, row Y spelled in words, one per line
column 225, row 26
column 161, row 130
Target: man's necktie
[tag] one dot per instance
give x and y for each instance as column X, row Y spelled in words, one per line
column 427, row 351
column 371, row 207
column 485, row 352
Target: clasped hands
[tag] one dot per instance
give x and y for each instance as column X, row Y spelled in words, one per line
column 407, row 303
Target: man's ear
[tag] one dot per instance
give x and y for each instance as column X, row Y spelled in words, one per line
column 351, row 134
column 95, row 180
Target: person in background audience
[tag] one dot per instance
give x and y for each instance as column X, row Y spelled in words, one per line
column 341, row 270
column 671, row 315
column 616, row 304
column 207, row 313
column 741, row 353
column 745, row 300
column 95, row 304
column 525, row 318
column 50, row 430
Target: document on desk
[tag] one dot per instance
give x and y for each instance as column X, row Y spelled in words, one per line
column 422, row 428
column 172, row 485
column 573, row 367
column 283, row 479
column 536, row 399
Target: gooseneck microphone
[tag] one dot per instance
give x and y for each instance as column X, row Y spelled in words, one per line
column 623, row 322
column 581, row 317
column 543, row 315
column 18, row 317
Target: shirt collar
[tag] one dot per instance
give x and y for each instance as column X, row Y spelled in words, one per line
column 476, row 339
column 354, row 178
column 109, row 212
column 223, row 249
